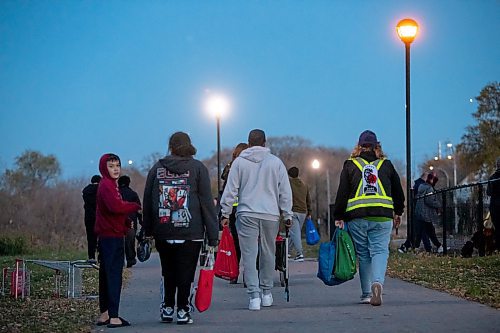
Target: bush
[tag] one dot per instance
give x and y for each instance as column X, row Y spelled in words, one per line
column 12, row 246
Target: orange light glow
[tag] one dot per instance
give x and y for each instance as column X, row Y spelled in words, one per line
column 407, row 30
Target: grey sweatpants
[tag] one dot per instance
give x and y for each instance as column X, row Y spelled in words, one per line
column 295, row 232
column 257, row 237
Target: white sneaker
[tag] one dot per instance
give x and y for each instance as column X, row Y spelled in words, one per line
column 365, row 300
column 267, row 300
column 254, row 304
column 440, row 249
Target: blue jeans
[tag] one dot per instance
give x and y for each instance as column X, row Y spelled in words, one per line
column 371, row 240
column 111, row 257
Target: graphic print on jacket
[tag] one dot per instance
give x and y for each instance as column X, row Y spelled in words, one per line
column 370, row 176
column 174, row 198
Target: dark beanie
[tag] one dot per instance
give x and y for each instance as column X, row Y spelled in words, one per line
column 95, row 179
column 124, row 181
column 368, row 138
column 293, row 172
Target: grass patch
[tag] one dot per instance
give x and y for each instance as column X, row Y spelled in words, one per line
column 42, row 312
column 476, row 278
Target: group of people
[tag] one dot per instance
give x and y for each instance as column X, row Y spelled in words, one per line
column 179, row 213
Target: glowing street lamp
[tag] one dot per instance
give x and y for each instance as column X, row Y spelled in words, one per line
column 315, row 165
column 217, row 106
column 407, row 30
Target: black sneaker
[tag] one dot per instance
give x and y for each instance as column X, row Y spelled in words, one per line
column 166, row 314
column 183, row 317
column 402, row 249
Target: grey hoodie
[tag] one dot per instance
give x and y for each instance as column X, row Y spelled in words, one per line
column 259, row 181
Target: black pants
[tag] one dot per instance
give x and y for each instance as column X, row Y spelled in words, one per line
column 420, row 235
column 111, row 255
column 234, row 233
column 495, row 218
column 427, row 228
column 91, row 239
column 130, row 247
column 178, row 267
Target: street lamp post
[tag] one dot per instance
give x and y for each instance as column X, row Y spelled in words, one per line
column 407, row 30
column 217, row 105
column 315, row 166
column 454, row 156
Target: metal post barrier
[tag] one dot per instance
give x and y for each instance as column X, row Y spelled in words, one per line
column 443, row 215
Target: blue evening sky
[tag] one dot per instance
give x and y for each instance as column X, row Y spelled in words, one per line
column 81, row 78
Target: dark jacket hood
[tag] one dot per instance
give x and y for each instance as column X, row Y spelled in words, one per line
column 368, row 156
column 176, row 164
column 103, row 167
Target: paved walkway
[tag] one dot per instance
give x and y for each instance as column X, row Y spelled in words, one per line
column 313, row 307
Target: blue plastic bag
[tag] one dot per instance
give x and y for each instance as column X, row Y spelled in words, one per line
column 312, row 236
column 326, row 260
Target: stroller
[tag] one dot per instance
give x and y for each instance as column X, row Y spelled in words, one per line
column 281, row 263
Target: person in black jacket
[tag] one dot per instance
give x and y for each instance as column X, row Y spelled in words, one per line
column 89, row 194
column 369, row 198
column 135, row 218
column 493, row 190
column 178, row 211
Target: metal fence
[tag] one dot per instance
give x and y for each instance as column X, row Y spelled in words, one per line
column 464, row 208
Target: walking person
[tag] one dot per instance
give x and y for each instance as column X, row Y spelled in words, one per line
column 418, row 226
column 89, row 194
column 301, row 209
column 232, row 218
column 369, row 199
column 427, row 210
column 493, row 190
column 259, row 181
column 178, row 211
column 111, row 228
column 134, row 219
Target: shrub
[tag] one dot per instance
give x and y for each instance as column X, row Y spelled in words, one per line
column 10, row 246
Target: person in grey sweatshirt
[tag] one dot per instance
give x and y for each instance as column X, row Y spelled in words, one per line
column 259, row 181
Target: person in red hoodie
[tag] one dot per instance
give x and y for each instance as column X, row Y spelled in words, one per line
column 111, row 228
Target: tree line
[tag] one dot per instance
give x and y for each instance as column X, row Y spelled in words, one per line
column 38, row 205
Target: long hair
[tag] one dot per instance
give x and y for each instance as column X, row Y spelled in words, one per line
column 361, row 149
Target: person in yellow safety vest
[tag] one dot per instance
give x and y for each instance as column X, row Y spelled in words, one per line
column 232, row 218
column 369, row 199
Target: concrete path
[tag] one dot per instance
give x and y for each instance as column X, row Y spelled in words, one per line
column 313, row 307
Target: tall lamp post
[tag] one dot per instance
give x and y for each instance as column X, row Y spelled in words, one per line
column 217, row 105
column 407, row 30
column 453, row 156
column 315, row 165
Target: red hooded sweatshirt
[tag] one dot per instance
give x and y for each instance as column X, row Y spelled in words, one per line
column 112, row 211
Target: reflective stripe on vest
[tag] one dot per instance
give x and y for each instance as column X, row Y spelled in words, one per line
column 361, row 199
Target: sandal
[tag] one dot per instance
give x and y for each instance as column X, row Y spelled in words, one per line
column 123, row 324
column 102, row 323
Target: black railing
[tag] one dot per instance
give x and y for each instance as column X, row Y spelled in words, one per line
column 463, row 211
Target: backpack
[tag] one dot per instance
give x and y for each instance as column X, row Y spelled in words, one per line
column 337, row 257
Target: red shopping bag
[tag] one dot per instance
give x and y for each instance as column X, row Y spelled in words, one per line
column 226, row 263
column 203, row 297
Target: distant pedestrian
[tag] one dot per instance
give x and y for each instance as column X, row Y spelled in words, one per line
column 111, row 228
column 418, row 228
column 369, row 198
column 301, row 209
column 493, row 190
column 232, row 218
column 89, row 194
column 427, row 211
column 134, row 219
column 259, row 181
column 178, row 211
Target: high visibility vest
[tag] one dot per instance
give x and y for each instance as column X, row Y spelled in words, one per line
column 370, row 191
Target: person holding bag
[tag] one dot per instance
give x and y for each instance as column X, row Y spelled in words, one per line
column 369, row 198
column 178, row 211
